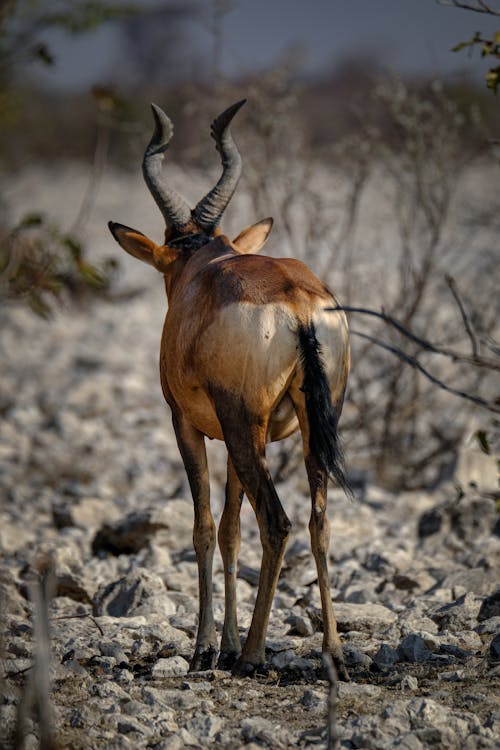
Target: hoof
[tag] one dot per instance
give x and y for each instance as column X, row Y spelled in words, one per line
column 243, row 668
column 340, row 667
column 227, row 660
column 342, row 670
column 203, row 659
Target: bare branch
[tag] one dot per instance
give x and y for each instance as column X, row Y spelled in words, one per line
column 465, row 319
column 478, row 7
column 475, row 360
column 79, row 617
column 490, row 405
column 98, row 168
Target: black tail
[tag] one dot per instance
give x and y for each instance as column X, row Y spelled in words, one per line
column 324, row 442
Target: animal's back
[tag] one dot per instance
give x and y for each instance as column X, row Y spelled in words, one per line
column 245, row 339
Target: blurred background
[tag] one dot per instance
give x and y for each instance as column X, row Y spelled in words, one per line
column 63, row 64
column 371, row 134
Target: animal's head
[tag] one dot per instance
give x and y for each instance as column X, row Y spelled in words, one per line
column 188, row 230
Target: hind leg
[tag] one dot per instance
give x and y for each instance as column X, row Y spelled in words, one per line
column 192, row 448
column 245, row 436
column 229, row 543
column 319, row 528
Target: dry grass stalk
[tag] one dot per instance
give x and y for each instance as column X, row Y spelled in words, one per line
column 333, row 734
column 36, row 697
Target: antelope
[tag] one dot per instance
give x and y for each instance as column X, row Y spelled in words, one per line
column 249, row 355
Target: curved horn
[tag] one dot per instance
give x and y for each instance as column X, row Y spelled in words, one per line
column 209, row 210
column 175, row 210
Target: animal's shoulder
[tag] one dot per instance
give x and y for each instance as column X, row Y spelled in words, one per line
column 260, row 279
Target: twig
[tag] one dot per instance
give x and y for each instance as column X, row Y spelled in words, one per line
column 333, row 735
column 80, row 616
column 490, row 405
column 17, row 672
column 98, row 167
column 465, row 319
column 479, row 7
column 478, row 361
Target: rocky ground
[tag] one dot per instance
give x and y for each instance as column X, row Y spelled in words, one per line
column 90, row 475
column 91, row 482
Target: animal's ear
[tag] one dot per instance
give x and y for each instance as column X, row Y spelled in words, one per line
column 252, row 239
column 137, row 244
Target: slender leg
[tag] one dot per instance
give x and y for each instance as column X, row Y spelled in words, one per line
column 192, row 448
column 274, row 527
column 319, row 528
column 245, row 439
column 229, row 543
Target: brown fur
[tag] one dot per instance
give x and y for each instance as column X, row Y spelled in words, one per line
column 230, row 369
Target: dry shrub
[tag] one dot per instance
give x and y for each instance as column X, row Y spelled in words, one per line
column 39, row 265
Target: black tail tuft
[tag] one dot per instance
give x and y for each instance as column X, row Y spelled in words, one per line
column 324, row 442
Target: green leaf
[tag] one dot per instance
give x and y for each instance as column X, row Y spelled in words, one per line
column 73, row 246
column 38, row 306
column 92, row 276
column 462, row 45
column 28, row 221
column 486, row 50
column 89, row 15
column 493, row 79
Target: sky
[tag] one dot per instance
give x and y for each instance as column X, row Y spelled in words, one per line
column 405, row 36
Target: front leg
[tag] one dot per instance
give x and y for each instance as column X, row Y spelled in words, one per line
column 191, row 444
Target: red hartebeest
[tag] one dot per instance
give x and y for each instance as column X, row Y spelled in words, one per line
column 248, row 355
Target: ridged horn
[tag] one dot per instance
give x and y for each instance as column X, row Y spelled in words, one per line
column 174, row 208
column 209, row 210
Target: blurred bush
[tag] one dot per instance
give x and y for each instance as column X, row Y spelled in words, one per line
column 40, row 266
column 39, row 263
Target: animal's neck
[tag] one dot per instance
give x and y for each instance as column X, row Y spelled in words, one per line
column 183, row 270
